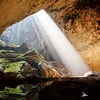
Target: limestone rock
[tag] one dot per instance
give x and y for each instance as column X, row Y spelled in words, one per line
column 27, row 70
column 37, row 61
column 48, row 71
column 26, row 64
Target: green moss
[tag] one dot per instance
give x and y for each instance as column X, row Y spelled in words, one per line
column 12, row 62
column 6, row 51
column 12, row 93
column 0, row 65
column 20, row 57
column 3, row 60
column 16, row 90
column 3, row 51
column 14, row 67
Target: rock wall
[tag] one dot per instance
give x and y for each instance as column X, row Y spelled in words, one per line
column 78, row 19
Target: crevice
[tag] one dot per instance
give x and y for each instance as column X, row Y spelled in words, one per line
column 84, row 4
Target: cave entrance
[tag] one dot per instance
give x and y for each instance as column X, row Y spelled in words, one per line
column 25, row 36
column 38, row 32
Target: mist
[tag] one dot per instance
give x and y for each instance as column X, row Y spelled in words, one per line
column 59, row 45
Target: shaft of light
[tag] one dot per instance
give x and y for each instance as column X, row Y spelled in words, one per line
column 70, row 58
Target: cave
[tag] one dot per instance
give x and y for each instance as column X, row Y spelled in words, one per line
column 28, row 70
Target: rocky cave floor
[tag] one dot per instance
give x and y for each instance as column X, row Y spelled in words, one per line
column 26, row 75
column 19, row 66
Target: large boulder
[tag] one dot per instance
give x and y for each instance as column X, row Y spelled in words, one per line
column 27, row 70
column 44, row 68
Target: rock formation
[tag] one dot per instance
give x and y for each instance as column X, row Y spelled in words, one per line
column 78, row 19
column 13, row 59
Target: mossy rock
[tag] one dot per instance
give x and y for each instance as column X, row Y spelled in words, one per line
column 7, row 51
column 11, row 61
column 3, row 60
column 11, row 55
column 19, row 57
column 12, row 93
column 8, row 55
column 14, row 67
column 15, row 62
column 38, row 61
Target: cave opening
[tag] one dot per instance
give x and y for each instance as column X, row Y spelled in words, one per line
column 25, row 52
column 39, row 33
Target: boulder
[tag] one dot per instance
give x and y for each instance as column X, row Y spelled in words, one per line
column 28, row 70
column 47, row 71
column 44, row 68
column 22, row 49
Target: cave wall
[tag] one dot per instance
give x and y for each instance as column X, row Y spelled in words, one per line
column 78, row 19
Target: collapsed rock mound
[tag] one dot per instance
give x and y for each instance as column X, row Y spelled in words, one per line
column 26, row 64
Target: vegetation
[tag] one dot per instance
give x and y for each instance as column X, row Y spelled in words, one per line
column 14, row 67
column 12, row 93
